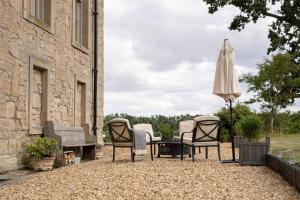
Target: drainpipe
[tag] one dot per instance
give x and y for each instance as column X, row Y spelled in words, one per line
column 95, row 69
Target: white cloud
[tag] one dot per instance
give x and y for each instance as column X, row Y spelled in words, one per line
column 160, row 55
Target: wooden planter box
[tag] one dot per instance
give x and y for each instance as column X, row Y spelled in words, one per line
column 253, row 153
column 290, row 173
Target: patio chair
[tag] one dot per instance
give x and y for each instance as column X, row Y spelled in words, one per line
column 122, row 136
column 150, row 134
column 206, row 133
column 186, row 127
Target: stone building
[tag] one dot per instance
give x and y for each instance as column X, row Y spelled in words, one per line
column 46, row 70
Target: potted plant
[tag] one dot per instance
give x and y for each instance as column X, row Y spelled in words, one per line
column 42, row 152
column 252, row 151
column 99, row 151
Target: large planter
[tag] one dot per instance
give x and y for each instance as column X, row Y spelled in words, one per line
column 45, row 164
column 253, row 153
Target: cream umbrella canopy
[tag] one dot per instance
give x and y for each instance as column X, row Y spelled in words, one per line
column 226, row 83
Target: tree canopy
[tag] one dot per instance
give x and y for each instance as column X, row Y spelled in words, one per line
column 275, row 86
column 284, row 32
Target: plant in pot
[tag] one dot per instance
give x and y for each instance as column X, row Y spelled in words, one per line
column 252, row 151
column 99, row 151
column 42, row 152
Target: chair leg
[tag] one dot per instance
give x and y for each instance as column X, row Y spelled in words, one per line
column 154, row 149
column 181, row 151
column 151, row 151
column 199, row 149
column 132, row 157
column 206, row 152
column 114, row 153
column 193, row 153
column 219, row 154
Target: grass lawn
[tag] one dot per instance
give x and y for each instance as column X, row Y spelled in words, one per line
column 289, row 144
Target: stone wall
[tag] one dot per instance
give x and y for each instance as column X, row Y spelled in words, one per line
column 22, row 99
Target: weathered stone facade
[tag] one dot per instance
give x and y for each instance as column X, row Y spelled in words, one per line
column 43, row 76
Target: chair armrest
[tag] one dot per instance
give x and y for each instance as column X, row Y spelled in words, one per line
column 181, row 139
column 149, row 137
column 159, row 133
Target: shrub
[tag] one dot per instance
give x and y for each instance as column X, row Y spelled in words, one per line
column 166, row 131
column 250, row 127
column 225, row 135
column 42, row 147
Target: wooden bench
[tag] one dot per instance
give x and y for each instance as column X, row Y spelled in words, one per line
column 72, row 138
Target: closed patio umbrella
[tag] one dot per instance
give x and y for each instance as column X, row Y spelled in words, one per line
column 226, row 83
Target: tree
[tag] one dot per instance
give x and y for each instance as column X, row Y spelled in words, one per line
column 284, row 32
column 274, row 86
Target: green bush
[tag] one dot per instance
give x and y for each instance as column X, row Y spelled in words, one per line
column 42, row 147
column 250, row 127
column 225, row 135
column 166, row 131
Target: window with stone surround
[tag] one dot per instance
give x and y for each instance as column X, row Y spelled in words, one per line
column 81, row 14
column 39, row 12
column 80, row 102
column 38, row 95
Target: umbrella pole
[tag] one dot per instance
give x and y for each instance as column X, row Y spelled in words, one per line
column 231, row 135
column 231, row 130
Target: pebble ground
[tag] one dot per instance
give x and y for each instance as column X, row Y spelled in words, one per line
column 163, row 178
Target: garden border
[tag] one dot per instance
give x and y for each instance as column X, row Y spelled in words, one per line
column 291, row 173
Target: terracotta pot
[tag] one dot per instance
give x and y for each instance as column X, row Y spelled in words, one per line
column 45, row 164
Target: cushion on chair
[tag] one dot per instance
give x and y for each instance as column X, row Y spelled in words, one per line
column 147, row 128
column 123, row 144
column 121, row 120
column 186, row 126
column 120, row 126
column 205, row 117
column 209, row 127
column 189, row 142
column 156, row 139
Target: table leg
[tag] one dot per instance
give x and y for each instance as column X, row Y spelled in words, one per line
column 158, row 153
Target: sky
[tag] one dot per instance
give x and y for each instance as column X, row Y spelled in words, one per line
column 160, row 56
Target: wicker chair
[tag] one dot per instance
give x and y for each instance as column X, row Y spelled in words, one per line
column 122, row 136
column 150, row 134
column 206, row 133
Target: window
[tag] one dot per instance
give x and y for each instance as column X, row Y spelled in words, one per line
column 81, row 23
column 38, row 94
column 39, row 12
column 80, row 101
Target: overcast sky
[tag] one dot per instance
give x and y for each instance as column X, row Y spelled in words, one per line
column 160, row 56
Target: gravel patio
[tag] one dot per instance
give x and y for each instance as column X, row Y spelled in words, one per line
column 164, row 178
